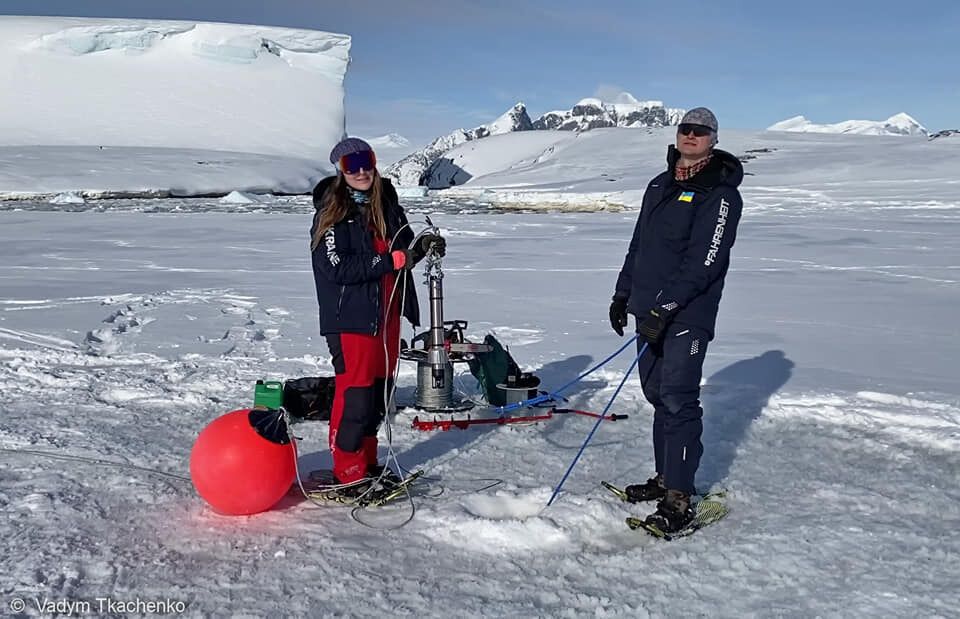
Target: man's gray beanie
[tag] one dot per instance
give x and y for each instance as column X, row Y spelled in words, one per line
column 700, row 116
column 348, row 147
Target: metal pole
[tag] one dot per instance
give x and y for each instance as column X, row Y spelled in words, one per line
column 436, row 349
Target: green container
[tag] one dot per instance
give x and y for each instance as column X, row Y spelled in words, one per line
column 268, row 394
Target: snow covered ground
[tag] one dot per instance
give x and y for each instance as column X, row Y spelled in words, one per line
column 831, row 396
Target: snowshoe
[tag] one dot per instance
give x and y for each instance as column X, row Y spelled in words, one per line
column 674, row 512
column 369, row 491
column 704, row 512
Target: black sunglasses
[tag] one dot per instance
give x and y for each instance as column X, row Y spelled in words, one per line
column 697, row 130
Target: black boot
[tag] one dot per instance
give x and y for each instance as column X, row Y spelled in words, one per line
column 385, row 476
column 653, row 490
column 673, row 513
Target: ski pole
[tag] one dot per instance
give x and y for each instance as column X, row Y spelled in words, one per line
column 626, row 375
column 556, row 393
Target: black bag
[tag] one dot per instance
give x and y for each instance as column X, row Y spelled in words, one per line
column 309, row 398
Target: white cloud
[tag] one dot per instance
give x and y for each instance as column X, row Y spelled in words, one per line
column 612, row 93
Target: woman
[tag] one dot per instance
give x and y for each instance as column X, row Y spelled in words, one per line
column 360, row 241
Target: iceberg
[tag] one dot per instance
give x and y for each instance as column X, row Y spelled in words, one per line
column 149, row 84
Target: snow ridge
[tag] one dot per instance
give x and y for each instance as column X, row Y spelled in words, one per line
column 233, row 43
column 944, row 133
column 591, row 113
column 390, row 140
column 898, row 124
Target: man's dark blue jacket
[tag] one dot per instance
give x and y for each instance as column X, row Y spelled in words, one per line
column 680, row 250
column 348, row 271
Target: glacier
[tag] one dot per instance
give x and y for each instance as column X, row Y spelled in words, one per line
column 81, row 83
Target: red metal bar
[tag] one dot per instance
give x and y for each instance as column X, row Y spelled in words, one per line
column 446, row 424
column 589, row 414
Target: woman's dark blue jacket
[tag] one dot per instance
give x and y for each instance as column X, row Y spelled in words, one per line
column 348, row 272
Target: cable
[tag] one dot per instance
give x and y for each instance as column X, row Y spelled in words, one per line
column 328, row 487
column 626, row 375
column 553, row 394
column 96, row 461
column 388, row 394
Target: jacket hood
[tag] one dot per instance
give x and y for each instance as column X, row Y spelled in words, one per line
column 723, row 169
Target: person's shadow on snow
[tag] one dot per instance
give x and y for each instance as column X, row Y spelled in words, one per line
column 556, row 374
column 732, row 399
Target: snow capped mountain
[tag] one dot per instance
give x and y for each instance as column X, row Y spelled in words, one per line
column 514, row 119
column 171, row 84
column 390, row 148
column 624, row 111
column 591, row 113
column 945, row 133
column 898, row 124
column 409, row 170
column 390, row 140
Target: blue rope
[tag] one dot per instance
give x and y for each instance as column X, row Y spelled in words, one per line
column 555, row 394
column 636, row 360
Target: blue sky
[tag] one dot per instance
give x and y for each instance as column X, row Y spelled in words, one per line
column 425, row 67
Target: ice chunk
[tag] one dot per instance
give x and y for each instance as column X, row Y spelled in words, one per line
column 67, row 197
column 239, row 197
column 412, row 191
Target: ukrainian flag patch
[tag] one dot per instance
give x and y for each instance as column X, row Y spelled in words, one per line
column 686, row 196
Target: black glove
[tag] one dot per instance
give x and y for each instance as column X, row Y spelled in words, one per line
column 424, row 244
column 653, row 325
column 618, row 315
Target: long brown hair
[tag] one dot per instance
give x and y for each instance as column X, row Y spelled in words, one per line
column 336, row 202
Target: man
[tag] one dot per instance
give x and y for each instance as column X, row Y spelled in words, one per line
column 671, row 281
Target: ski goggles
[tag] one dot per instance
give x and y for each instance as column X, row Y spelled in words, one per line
column 697, row 130
column 354, row 162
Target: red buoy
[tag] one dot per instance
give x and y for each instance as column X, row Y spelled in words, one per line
column 243, row 462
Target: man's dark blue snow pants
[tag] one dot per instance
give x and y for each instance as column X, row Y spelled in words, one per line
column 670, row 373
